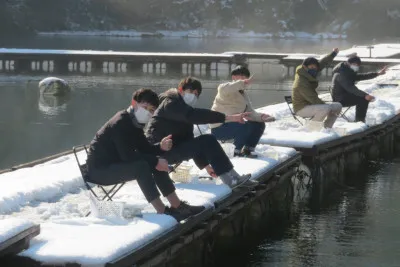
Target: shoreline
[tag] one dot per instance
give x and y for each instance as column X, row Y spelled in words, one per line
column 201, row 34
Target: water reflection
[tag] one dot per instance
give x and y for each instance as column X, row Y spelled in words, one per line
column 51, row 105
column 354, row 227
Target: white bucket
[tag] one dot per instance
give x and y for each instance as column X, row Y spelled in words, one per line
column 182, row 173
column 229, row 149
column 314, row 126
column 106, row 208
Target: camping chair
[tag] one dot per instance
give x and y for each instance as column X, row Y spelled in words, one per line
column 342, row 113
column 289, row 101
column 108, row 194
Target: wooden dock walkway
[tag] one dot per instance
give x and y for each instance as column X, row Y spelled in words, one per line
column 108, row 62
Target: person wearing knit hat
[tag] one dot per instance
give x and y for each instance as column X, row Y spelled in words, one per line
column 306, row 102
column 344, row 91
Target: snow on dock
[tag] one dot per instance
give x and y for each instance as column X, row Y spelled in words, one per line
column 53, row 195
column 374, row 51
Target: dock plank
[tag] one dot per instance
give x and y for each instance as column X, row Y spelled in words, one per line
column 18, row 242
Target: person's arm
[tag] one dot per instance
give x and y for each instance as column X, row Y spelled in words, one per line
column 327, row 60
column 144, row 146
column 308, row 93
column 347, row 85
column 126, row 146
column 234, row 86
column 366, row 76
column 174, row 110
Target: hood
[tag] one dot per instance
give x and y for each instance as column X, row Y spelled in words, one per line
column 342, row 68
column 302, row 72
column 170, row 93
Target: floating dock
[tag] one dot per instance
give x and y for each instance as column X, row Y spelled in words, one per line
column 41, row 61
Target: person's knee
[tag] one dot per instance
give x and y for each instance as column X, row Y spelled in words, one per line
column 336, row 107
column 260, row 126
column 143, row 168
column 207, row 139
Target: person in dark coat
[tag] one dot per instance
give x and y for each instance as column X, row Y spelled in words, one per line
column 344, row 90
column 120, row 152
column 176, row 116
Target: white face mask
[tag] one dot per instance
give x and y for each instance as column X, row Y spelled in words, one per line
column 142, row 115
column 190, row 99
column 354, row 67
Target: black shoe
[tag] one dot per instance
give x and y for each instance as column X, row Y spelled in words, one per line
column 176, row 213
column 245, row 153
column 184, row 211
column 192, row 209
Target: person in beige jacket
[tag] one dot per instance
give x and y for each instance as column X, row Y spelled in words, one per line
column 232, row 98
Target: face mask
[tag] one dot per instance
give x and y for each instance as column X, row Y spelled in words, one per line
column 190, row 99
column 312, row 72
column 354, row 67
column 142, row 115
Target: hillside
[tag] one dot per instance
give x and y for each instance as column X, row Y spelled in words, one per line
column 356, row 18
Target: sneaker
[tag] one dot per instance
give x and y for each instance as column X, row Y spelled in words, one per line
column 193, row 210
column 184, row 211
column 245, row 153
column 177, row 214
column 242, row 180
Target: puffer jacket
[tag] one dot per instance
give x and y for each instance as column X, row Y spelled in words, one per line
column 344, row 80
column 174, row 117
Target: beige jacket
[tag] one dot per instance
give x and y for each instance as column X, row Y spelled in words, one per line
column 230, row 101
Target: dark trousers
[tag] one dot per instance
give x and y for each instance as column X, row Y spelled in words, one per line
column 361, row 106
column 147, row 178
column 246, row 134
column 205, row 150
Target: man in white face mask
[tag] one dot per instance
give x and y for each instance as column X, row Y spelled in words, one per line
column 344, row 90
column 120, row 152
column 176, row 116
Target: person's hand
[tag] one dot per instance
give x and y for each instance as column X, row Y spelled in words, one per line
column 370, row 98
column 162, row 165
column 166, row 143
column 211, row 171
column 248, row 80
column 267, row 118
column 383, row 70
column 336, row 50
column 238, row 117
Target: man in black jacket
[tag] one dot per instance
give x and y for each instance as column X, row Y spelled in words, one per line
column 120, row 152
column 346, row 92
column 176, row 116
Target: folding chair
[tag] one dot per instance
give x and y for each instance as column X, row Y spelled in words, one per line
column 343, row 113
column 289, row 101
column 86, row 179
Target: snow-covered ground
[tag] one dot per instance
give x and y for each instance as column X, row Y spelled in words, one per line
column 53, row 193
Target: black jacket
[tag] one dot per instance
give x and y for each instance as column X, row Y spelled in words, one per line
column 175, row 117
column 119, row 140
column 344, row 79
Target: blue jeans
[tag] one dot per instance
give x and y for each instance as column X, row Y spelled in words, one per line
column 247, row 134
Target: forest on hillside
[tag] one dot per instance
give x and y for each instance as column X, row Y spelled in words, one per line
column 356, row 18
